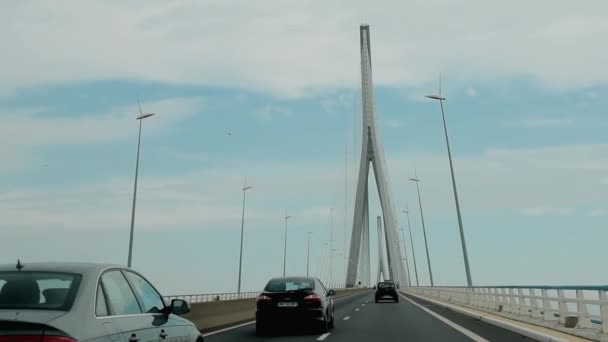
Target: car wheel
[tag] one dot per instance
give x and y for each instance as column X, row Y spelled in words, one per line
column 397, row 300
column 332, row 321
column 376, row 300
column 324, row 326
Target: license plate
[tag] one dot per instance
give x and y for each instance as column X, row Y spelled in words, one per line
column 287, row 304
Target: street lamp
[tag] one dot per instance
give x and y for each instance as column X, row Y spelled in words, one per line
column 141, row 117
column 447, row 142
column 308, row 255
column 426, row 245
column 407, row 213
column 245, row 188
column 285, row 249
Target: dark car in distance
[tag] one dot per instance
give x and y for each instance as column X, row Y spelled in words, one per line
column 386, row 289
column 301, row 301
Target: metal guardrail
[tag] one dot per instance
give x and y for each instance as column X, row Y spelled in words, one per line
column 215, row 297
column 582, row 306
column 212, row 297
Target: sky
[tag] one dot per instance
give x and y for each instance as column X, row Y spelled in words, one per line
column 270, row 91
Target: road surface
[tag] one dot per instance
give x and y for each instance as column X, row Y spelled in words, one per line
column 358, row 318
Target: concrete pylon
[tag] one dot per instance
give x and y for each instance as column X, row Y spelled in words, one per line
column 372, row 152
column 382, row 273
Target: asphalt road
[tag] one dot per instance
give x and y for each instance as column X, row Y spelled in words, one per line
column 358, row 318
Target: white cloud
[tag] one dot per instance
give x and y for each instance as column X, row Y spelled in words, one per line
column 270, row 112
column 341, row 102
column 598, row 212
column 532, row 182
column 546, row 122
column 470, row 91
column 547, row 211
column 293, row 48
column 26, row 129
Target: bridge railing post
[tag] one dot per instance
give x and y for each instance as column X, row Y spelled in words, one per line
column 513, row 307
column 534, row 310
column 563, row 306
column 523, row 305
column 584, row 321
column 547, row 309
column 603, row 310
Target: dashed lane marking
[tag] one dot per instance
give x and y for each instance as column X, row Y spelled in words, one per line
column 323, row 337
column 346, row 318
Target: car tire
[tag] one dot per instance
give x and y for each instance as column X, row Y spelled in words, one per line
column 324, row 326
column 332, row 321
column 397, row 300
column 376, row 300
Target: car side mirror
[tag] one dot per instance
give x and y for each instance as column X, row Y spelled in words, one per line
column 331, row 292
column 179, row 307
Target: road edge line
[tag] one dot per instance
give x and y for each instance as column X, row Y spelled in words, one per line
column 468, row 333
column 536, row 335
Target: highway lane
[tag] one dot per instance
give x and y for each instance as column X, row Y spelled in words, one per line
column 358, row 318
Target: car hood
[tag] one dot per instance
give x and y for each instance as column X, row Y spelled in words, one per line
column 33, row 316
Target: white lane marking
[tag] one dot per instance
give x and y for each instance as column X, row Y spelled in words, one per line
column 357, row 309
column 363, row 304
column 324, row 336
column 346, row 318
column 459, row 328
column 227, row 329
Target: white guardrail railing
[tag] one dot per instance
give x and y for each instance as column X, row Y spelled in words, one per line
column 579, row 310
column 212, row 297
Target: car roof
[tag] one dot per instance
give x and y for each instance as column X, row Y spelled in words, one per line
column 294, row 277
column 66, row 267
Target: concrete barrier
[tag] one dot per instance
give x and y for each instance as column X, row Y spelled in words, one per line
column 211, row 316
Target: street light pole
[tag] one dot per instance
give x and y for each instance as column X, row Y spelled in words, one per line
column 245, row 188
column 308, row 255
column 407, row 265
column 426, row 245
column 407, row 213
column 285, row 249
column 447, row 142
column 141, row 117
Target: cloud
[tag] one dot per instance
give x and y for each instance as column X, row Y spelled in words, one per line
column 532, row 182
column 26, row 129
column 341, row 102
column 297, row 48
column 546, row 122
column 547, row 211
column 40, row 128
column 270, row 112
column 470, row 91
column 598, row 212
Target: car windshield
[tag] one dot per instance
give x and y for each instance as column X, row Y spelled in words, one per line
column 386, row 285
column 38, row 290
column 293, row 284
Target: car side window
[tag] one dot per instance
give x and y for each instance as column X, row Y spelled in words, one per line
column 150, row 300
column 120, row 297
column 101, row 309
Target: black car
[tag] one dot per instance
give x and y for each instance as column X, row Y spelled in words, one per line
column 386, row 289
column 295, row 300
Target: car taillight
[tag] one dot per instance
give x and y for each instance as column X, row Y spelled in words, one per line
column 261, row 298
column 312, row 299
column 36, row 338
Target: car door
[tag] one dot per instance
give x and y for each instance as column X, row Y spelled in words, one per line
column 170, row 328
column 123, row 306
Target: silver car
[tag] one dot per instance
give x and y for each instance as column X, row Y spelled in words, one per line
column 69, row 302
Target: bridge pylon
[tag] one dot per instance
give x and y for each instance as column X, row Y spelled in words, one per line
column 372, row 153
